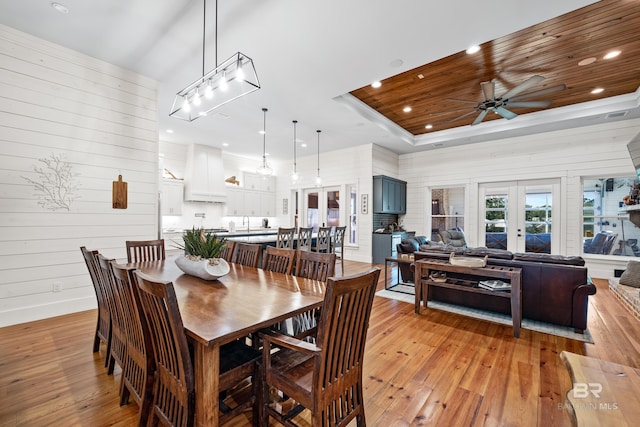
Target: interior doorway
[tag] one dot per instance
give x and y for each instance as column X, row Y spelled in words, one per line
column 322, row 207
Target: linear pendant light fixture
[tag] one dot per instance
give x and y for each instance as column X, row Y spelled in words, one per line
column 294, row 173
column 264, row 169
column 230, row 80
column 318, row 179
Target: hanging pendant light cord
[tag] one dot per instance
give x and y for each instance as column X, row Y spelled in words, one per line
column 318, row 152
column 295, row 122
column 204, row 30
column 264, row 139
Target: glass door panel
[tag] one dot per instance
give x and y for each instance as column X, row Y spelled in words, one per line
column 322, row 207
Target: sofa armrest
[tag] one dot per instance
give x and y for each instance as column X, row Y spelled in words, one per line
column 581, row 304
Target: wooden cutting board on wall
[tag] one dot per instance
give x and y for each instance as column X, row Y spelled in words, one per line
column 119, row 194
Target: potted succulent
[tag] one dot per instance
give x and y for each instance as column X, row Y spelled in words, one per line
column 202, row 255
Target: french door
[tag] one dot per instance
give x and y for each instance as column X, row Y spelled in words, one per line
column 518, row 215
column 322, row 207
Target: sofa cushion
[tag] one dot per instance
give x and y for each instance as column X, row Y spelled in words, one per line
column 421, row 240
column 551, row 259
column 408, row 246
column 631, row 276
column 440, row 247
column 492, row 253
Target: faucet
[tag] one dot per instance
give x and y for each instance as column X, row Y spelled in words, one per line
column 247, row 222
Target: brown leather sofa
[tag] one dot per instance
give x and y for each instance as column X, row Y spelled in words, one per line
column 555, row 288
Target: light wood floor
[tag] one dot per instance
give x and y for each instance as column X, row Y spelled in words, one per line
column 431, row 369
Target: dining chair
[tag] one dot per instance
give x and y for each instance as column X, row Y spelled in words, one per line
column 103, row 324
column 247, row 254
column 323, row 240
column 325, row 377
column 174, row 388
column 145, row 250
column 279, row 260
column 316, row 266
column 285, row 237
column 118, row 351
column 227, row 252
column 304, row 238
column 337, row 247
column 139, row 366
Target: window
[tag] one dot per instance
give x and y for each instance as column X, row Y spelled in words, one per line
column 447, row 210
column 352, row 235
column 605, row 223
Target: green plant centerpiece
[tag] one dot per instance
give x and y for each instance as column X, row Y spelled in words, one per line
column 202, row 254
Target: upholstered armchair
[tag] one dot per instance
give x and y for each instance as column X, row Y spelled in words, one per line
column 601, row 243
column 453, row 237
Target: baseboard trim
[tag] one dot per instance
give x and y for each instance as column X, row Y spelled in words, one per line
column 45, row 311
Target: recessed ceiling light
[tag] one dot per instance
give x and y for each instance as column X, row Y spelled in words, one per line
column 169, row 130
column 473, row 49
column 407, row 109
column 261, row 132
column 396, row 63
column 597, row 90
column 60, row 7
column 428, row 127
column 611, row 54
column 376, row 85
column 303, row 145
column 587, row 61
column 225, row 144
column 421, row 76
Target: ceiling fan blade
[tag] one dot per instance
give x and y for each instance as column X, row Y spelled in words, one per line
column 480, row 117
column 488, row 90
column 529, row 104
column 530, row 82
column 462, row 116
column 505, row 113
column 541, row 92
column 461, row 100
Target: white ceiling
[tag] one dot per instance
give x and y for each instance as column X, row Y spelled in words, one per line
column 306, row 53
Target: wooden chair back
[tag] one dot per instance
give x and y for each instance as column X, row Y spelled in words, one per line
column 145, row 250
column 316, row 266
column 103, row 325
column 227, row 253
column 247, row 254
column 285, row 237
column 138, row 372
column 323, row 240
column 330, row 382
column 118, row 350
column 337, row 246
column 304, row 238
column 174, row 387
column 279, row 260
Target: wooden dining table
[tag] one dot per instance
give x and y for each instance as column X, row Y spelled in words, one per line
column 217, row 312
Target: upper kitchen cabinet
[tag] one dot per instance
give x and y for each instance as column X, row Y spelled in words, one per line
column 389, row 195
column 204, row 175
column 171, row 198
column 253, row 181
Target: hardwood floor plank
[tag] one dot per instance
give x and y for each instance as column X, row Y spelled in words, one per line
column 435, row 368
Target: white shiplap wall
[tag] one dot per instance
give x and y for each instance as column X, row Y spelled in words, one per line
column 102, row 120
column 591, row 151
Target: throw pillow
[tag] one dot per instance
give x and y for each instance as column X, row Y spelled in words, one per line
column 631, row 276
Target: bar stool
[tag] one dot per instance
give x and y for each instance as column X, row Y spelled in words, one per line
column 304, row 238
column 285, row 238
column 323, row 240
column 337, row 246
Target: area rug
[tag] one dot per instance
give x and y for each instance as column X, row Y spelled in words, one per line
column 406, row 293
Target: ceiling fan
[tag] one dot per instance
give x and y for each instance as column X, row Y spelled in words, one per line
column 510, row 99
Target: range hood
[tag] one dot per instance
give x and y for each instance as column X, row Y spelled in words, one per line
column 204, row 175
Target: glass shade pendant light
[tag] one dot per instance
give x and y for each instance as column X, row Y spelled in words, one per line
column 230, row 80
column 294, row 173
column 264, row 169
column 318, row 179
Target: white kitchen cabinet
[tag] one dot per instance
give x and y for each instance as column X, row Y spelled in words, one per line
column 172, row 197
column 268, row 204
column 235, row 202
column 204, row 175
column 253, row 181
column 242, row 202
